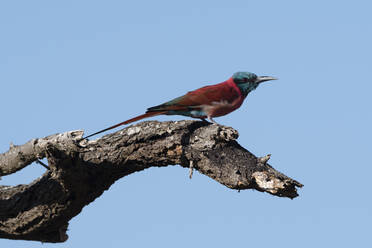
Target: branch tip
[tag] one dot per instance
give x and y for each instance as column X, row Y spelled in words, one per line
column 191, row 169
column 264, row 159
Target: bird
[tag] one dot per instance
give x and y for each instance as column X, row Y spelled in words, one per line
column 206, row 102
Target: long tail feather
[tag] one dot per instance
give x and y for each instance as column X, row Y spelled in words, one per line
column 149, row 114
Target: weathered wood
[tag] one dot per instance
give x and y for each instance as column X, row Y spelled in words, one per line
column 80, row 171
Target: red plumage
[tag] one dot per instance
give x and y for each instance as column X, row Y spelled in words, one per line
column 213, row 100
column 219, row 99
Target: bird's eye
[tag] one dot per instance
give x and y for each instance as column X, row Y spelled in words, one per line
column 245, row 80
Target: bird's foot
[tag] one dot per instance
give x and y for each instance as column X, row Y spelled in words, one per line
column 211, row 120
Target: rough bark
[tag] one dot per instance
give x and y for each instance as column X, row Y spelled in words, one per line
column 80, row 171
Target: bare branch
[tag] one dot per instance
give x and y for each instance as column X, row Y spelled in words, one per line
column 19, row 157
column 80, row 171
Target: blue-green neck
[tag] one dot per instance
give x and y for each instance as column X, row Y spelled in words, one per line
column 247, row 87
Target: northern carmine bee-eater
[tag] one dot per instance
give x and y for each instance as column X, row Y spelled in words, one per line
column 206, row 102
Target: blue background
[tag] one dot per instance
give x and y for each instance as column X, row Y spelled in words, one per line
column 67, row 65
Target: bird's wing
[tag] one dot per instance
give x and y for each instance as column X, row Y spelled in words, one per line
column 207, row 95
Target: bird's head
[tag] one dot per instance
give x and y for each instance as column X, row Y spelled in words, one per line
column 248, row 81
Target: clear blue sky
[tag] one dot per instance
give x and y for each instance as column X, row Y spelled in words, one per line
column 71, row 65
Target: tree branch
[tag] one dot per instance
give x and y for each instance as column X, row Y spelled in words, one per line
column 80, row 171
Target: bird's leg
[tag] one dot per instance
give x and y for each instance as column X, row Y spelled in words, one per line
column 211, row 120
column 204, row 120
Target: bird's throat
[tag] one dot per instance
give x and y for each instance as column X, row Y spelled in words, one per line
column 246, row 88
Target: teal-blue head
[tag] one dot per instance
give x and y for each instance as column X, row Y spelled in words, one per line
column 248, row 81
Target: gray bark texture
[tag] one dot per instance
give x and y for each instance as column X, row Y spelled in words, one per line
column 81, row 170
